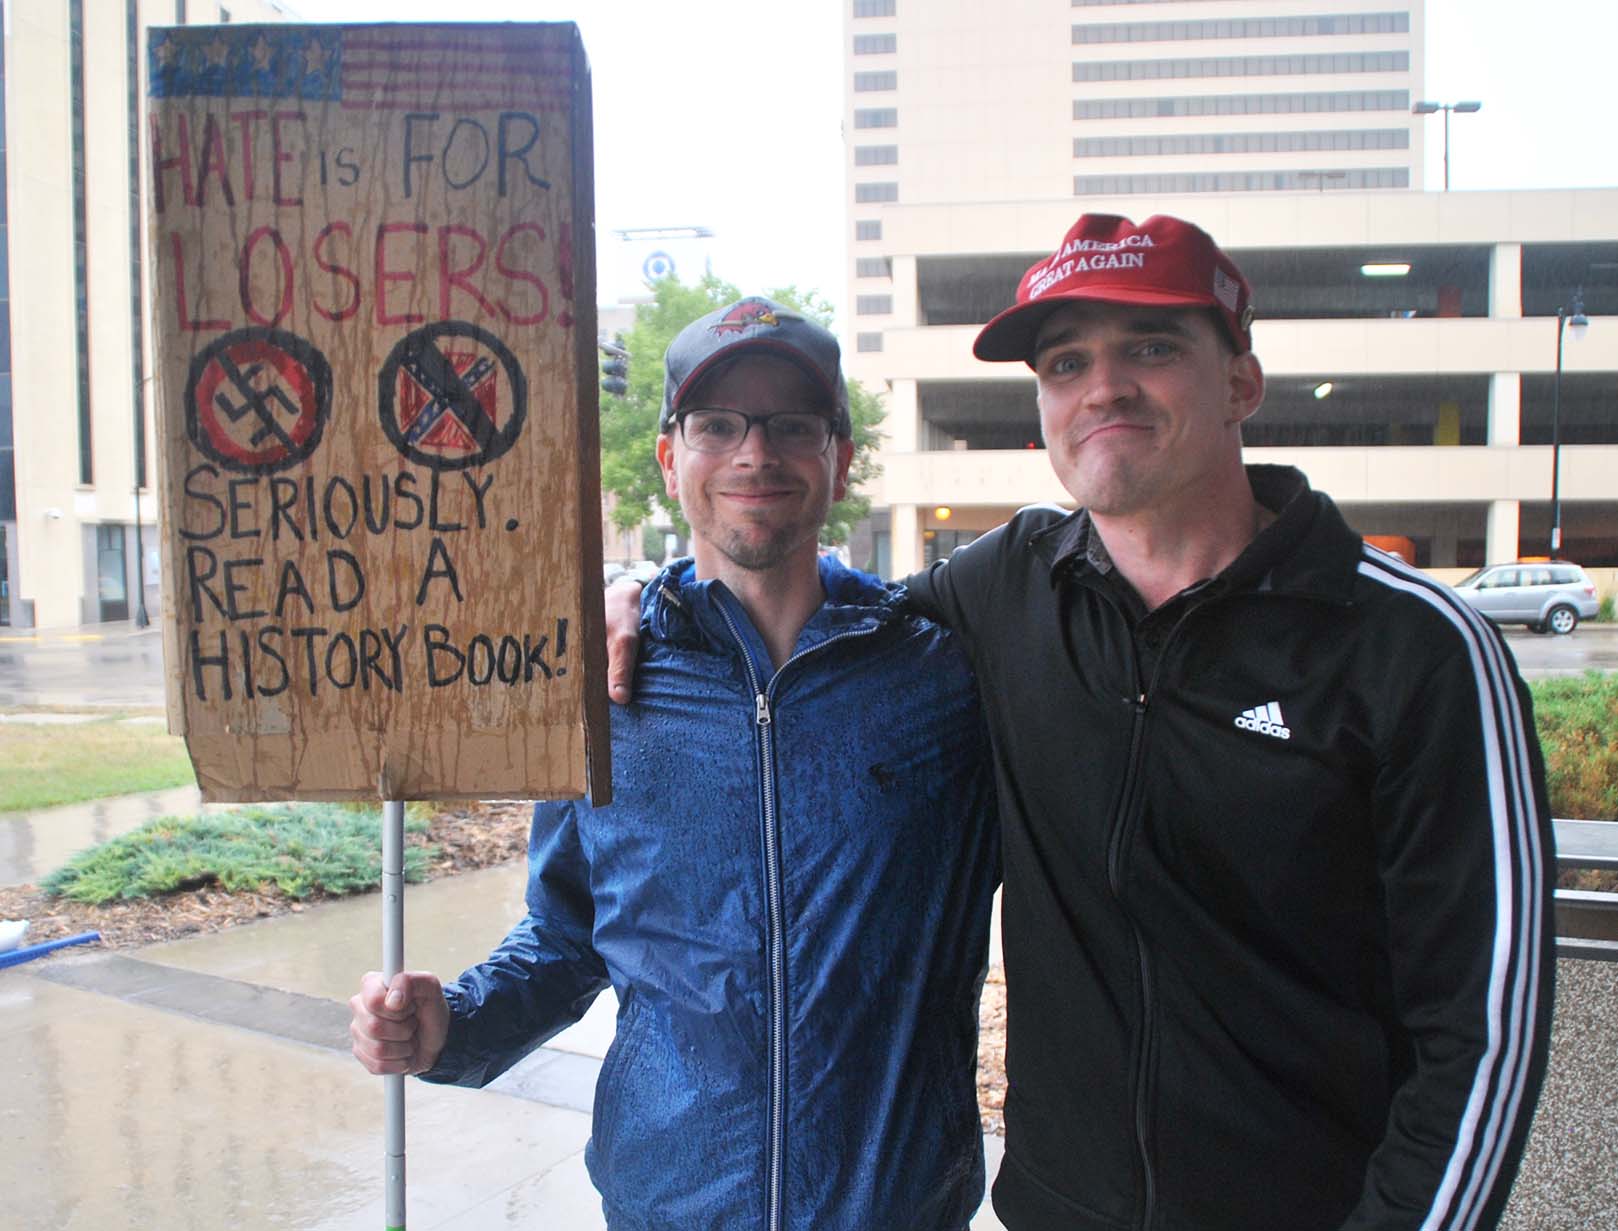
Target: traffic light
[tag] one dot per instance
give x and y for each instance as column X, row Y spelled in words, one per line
column 615, row 368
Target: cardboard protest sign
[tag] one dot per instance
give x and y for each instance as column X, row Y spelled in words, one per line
column 373, row 299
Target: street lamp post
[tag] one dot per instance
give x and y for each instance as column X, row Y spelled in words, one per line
column 1427, row 108
column 1575, row 319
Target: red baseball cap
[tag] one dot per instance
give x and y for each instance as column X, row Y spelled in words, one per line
column 1106, row 258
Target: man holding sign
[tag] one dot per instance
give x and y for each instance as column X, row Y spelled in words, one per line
column 791, row 895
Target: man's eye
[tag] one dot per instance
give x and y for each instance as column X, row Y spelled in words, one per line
column 1063, row 365
column 1157, row 350
column 715, row 427
column 792, row 427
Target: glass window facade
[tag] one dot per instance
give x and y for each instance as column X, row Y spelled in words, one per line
column 866, row 343
column 873, row 267
column 873, row 305
column 1241, row 181
column 874, row 8
column 866, row 229
column 1241, row 104
column 1243, row 143
column 875, row 44
column 137, row 344
column 1242, row 66
column 876, row 117
column 81, row 255
column 867, row 83
column 876, row 155
column 869, row 194
column 8, row 455
column 1242, row 27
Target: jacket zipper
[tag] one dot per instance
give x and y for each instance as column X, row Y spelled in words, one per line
column 775, row 940
column 1115, row 854
column 1128, row 808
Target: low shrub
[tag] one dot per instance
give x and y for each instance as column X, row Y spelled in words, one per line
column 298, row 849
column 1577, row 717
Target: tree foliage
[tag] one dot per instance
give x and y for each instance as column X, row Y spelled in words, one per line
column 629, row 423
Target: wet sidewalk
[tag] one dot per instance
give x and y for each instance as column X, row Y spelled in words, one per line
column 207, row 1083
column 33, row 844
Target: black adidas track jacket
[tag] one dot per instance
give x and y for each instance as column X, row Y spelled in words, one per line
column 1278, row 862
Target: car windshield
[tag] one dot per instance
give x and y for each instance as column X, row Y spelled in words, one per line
column 1470, row 578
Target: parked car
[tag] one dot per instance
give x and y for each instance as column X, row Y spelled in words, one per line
column 1546, row 595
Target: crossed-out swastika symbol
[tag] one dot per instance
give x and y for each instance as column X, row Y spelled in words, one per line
column 257, row 400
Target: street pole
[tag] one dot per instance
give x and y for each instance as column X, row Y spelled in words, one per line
column 1446, row 149
column 1572, row 317
column 1556, row 442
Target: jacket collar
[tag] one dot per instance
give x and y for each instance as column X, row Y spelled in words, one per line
column 684, row 611
column 1307, row 549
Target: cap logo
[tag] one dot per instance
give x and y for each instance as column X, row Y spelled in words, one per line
column 747, row 314
column 1053, row 274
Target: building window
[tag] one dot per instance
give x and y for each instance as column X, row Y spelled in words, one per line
column 1242, row 143
column 81, row 256
column 867, row 229
column 874, row 267
column 866, row 83
column 877, row 117
column 875, row 44
column 873, row 305
column 868, row 194
column 1241, row 66
column 1246, row 27
column 876, row 155
column 866, row 343
column 1239, row 181
column 137, row 344
column 874, row 8
column 1240, row 104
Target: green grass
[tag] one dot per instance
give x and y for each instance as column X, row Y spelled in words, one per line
column 300, row 849
column 1577, row 717
column 43, row 765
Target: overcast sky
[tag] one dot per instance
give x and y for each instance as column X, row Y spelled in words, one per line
column 726, row 115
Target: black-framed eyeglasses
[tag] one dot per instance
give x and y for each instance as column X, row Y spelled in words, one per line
column 791, row 433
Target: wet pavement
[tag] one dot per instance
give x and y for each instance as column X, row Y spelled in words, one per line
column 99, row 666
column 33, row 844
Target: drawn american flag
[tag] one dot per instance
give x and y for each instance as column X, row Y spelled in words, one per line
column 369, row 68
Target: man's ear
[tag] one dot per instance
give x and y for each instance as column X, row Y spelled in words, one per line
column 665, row 462
column 844, row 455
column 1246, row 387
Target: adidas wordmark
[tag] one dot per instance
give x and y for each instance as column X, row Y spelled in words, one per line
column 1266, row 720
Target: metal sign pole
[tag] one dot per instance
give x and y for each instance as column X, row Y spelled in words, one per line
column 392, row 964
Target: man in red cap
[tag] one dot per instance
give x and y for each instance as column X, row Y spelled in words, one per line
column 1277, row 860
column 1276, row 850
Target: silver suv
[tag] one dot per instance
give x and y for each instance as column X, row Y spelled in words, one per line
column 1546, row 595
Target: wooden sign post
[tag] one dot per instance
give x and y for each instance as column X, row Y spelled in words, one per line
column 373, row 301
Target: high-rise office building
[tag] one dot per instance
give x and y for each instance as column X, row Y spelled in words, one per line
column 1410, row 336
column 77, row 473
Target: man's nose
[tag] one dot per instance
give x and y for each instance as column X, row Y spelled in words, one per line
column 1109, row 381
column 755, row 449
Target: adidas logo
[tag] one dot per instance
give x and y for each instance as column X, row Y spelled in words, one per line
column 1266, row 720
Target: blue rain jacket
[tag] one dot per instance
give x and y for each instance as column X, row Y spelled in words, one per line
column 790, row 896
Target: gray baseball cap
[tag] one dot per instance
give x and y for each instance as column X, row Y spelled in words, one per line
column 754, row 326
